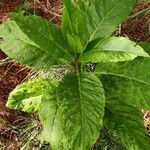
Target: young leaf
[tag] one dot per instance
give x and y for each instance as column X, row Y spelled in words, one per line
column 72, row 115
column 113, row 49
column 127, row 81
column 19, row 47
column 46, row 35
column 74, row 26
column 127, row 122
column 27, row 96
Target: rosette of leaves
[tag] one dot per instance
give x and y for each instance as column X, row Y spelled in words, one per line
column 112, row 94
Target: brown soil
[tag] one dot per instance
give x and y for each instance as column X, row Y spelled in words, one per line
column 8, row 6
column 11, row 74
column 137, row 28
column 50, row 11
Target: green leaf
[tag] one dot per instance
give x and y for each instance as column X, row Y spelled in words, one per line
column 128, row 123
column 145, row 46
column 46, row 35
column 74, row 26
column 72, row 114
column 113, row 49
column 19, row 47
column 27, row 96
column 104, row 16
column 128, row 81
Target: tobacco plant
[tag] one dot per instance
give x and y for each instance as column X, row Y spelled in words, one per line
column 103, row 80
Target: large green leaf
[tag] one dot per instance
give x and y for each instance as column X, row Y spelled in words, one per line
column 128, row 123
column 46, row 35
column 128, row 81
column 113, row 49
column 103, row 16
column 27, row 96
column 19, row 47
column 72, row 114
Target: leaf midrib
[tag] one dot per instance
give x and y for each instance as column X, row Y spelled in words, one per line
column 121, row 51
column 80, row 98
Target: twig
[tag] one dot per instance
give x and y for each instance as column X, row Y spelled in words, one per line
column 139, row 13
